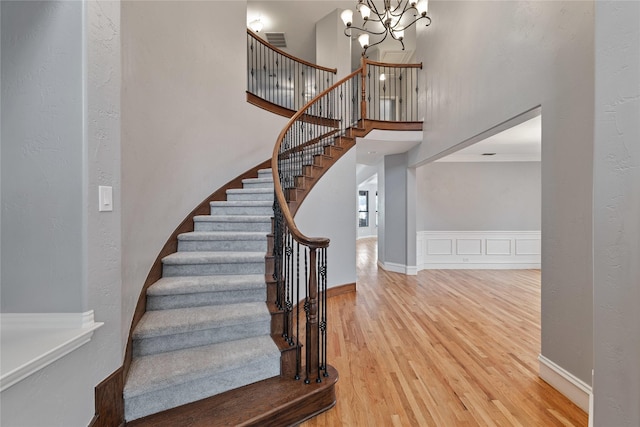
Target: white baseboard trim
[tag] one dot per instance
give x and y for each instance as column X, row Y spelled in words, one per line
column 565, row 382
column 409, row 270
column 32, row 341
column 480, row 266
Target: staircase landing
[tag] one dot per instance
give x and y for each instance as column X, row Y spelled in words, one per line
column 273, row 402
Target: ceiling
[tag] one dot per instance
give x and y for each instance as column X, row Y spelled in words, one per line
column 379, row 143
column 521, row 143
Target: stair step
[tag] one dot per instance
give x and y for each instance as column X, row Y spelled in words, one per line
column 265, row 173
column 210, row 263
column 166, row 380
column 209, row 241
column 250, row 194
column 266, row 182
column 232, row 223
column 195, row 291
column 169, row 330
column 242, row 207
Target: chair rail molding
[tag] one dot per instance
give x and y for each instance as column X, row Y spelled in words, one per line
column 31, row 341
column 478, row 249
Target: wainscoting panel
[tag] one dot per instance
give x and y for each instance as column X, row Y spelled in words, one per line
column 478, row 249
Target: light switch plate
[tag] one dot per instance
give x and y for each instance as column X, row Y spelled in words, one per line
column 105, row 198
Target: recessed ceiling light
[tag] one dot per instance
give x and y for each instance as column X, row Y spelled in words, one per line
column 488, row 154
column 372, row 152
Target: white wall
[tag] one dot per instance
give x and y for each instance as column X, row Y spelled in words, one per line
column 487, row 62
column 186, row 127
column 42, row 143
column 61, row 394
column 479, row 196
column 328, row 211
column 616, row 211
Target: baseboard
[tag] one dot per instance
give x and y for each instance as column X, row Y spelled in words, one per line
column 409, row 270
column 347, row 288
column 480, row 266
column 565, row 382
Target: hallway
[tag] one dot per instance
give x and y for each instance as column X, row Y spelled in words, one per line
column 443, row 348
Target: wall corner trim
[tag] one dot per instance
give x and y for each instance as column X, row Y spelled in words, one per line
column 409, row 270
column 565, row 382
column 31, row 341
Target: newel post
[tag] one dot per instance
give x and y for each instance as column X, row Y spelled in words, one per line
column 311, row 307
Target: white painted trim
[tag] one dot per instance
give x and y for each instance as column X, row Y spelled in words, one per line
column 410, row 270
column 565, row 382
column 31, row 341
column 478, row 249
column 47, row 320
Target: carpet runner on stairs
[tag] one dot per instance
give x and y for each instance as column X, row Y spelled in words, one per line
column 207, row 327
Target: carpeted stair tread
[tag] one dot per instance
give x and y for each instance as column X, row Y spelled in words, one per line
column 162, row 370
column 266, row 181
column 232, row 218
column 248, row 203
column 199, row 284
column 250, row 190
column 181, row 320
column 186, row 258
column 222, row 235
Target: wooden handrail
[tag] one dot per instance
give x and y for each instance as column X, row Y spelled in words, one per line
column 288, row 55
column 384, row 64
column 312, row 242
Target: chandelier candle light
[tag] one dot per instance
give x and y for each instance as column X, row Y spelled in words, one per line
column 390, row 16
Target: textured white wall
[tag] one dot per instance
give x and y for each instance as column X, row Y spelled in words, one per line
column 486, row 62
column 616, row 215
column 186, row 126
column 42, row 170
column 328, row 211
column 478, row 196
column 61, row 394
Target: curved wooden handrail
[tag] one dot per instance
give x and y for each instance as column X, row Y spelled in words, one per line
column 385, row 64
column 312, row 242
column 288, row 55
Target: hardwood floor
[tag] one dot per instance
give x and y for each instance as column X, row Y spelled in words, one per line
column 443, row 348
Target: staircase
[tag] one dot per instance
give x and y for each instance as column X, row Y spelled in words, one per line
column 207, row 327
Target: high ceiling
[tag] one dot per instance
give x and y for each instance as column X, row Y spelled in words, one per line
column 297, row 20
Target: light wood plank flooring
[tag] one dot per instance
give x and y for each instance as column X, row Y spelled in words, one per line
column 443, row 348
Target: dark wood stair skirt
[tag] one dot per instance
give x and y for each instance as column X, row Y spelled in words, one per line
column 273, row 402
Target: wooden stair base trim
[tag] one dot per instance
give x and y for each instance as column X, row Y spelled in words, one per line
column 109, row 402
column 347, row 288
column 272, row 402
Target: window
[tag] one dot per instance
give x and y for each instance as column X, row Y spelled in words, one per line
column 376, row 208
column 363, row 208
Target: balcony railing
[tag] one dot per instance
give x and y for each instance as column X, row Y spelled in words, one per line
column 281, row 79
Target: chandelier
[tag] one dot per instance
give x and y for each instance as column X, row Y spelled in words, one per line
column 390, row 16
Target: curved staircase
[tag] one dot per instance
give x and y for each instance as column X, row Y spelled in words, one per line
column 216, row 337
column 207, row 327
